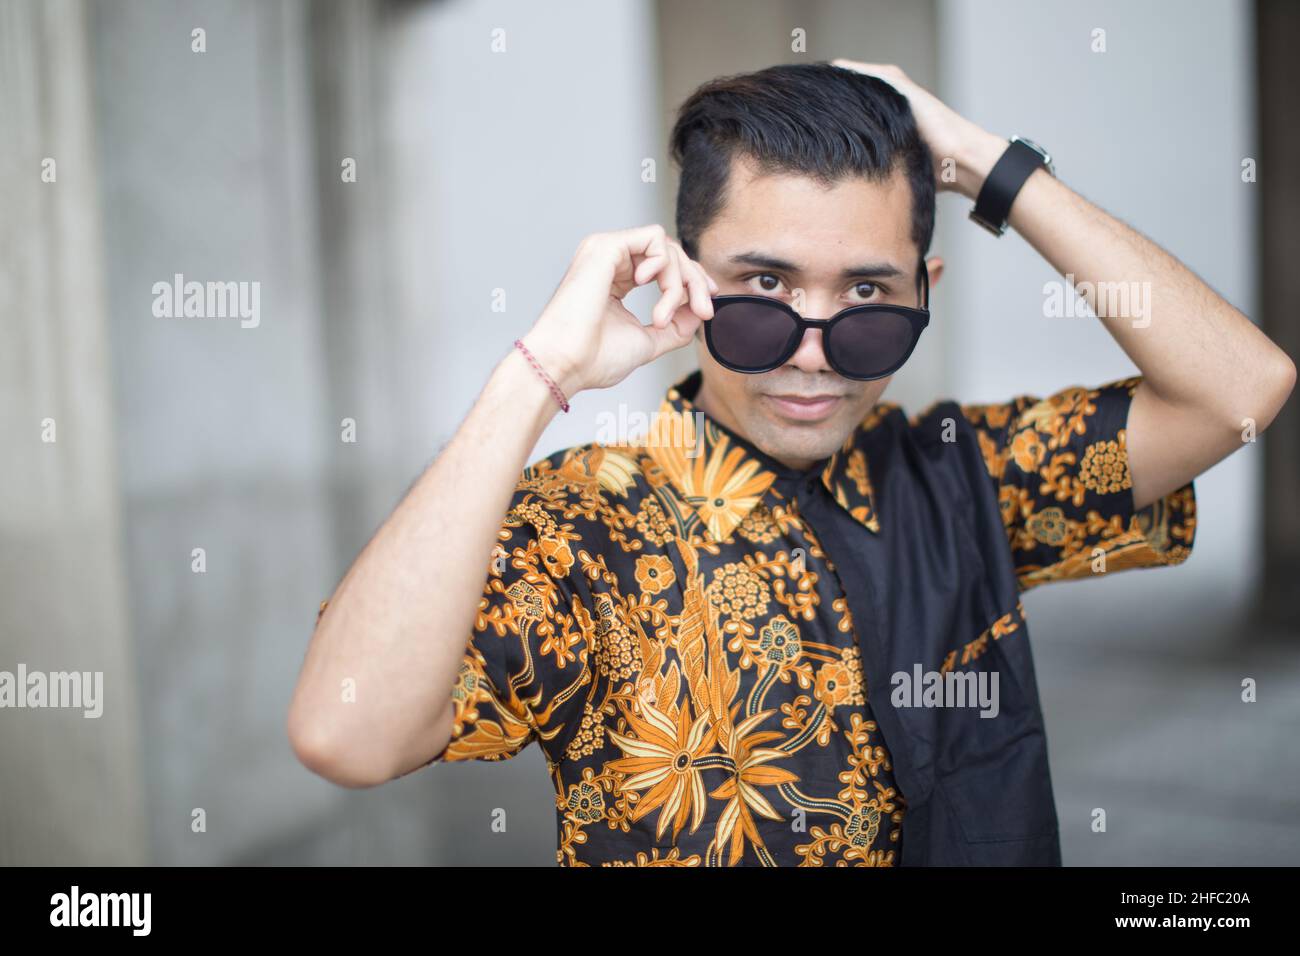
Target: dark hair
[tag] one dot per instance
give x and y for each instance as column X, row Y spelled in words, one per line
column 824, row 121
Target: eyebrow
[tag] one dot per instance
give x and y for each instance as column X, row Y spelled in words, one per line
column 870, row 270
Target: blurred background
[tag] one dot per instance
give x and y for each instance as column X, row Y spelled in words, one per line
column 487, row 139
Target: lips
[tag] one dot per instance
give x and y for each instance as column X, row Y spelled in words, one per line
column 806, row 408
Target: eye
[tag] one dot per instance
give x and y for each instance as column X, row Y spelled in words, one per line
column 765, row 282
column 866, row 289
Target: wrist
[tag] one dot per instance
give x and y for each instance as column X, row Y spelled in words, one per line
column 976, row 159
column 527, row 396
column 555, row 365
column 516, row 394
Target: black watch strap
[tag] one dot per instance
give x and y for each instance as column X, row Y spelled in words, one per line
column 1003, row 183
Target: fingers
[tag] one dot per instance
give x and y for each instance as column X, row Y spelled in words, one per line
column 647, row 269
column 685, row 288
column 708, row 279
column 674, row 291
column 888, row 72
column 647, row 248
column 875, row 69
column 682, row 281
column 658, row 260
column 650, row 245
column 685, row 319
column 677, row 333
column 697, row 284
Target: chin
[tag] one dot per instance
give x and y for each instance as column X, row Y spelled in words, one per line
column 803, row 442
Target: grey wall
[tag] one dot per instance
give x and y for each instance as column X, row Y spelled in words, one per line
column 376, row 305
column 70, row 787
column 223, row 432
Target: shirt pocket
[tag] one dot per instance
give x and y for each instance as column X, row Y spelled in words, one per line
column 998, row 639
column 993, row 770
column 1007, row 800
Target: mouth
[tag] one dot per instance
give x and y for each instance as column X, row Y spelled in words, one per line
column 804, row 408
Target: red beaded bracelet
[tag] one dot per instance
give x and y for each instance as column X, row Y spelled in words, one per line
column 550, row 382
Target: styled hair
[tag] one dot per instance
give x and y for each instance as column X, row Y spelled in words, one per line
column 814, row 119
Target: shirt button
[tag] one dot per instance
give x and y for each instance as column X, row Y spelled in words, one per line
column 811, row 485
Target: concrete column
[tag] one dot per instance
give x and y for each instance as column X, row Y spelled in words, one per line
column 69, row 784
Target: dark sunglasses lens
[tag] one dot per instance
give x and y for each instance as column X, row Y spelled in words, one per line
column 750, row 335
column 870, row 344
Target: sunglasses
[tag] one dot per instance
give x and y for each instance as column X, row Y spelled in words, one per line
column 753, row 334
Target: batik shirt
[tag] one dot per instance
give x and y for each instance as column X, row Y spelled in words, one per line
column 705, row 644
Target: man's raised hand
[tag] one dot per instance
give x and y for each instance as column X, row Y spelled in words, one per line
column 587, row 338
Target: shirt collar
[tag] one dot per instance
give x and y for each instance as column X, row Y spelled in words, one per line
column 718, row 477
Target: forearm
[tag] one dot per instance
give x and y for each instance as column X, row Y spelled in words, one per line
column 399, row 621
column 1195, row 351
column 1208, row 374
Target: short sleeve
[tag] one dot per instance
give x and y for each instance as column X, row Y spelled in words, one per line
column 524, row 655
column 1059, row 467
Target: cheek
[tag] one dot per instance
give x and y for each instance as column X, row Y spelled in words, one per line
column 864, row 402
column 730, row 389
column 874, row 390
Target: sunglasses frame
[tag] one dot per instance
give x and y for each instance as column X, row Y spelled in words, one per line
column 918, row 318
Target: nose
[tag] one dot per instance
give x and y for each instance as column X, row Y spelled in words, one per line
column 809, row 357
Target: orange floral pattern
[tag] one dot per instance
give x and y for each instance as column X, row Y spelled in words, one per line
column 1060, row 468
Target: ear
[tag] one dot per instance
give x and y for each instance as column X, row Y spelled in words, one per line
column 934, row 266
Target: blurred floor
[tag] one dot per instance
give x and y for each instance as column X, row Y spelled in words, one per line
column 1187, row 773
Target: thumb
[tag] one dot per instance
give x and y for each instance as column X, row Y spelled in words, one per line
column 674, row 335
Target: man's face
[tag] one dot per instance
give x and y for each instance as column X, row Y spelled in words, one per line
column 821, row 250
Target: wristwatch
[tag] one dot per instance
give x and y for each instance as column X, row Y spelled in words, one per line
column 1014, row 166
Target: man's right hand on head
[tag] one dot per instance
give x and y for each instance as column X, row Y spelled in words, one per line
column 586, row 338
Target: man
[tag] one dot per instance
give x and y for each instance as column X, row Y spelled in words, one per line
column 794, row 636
